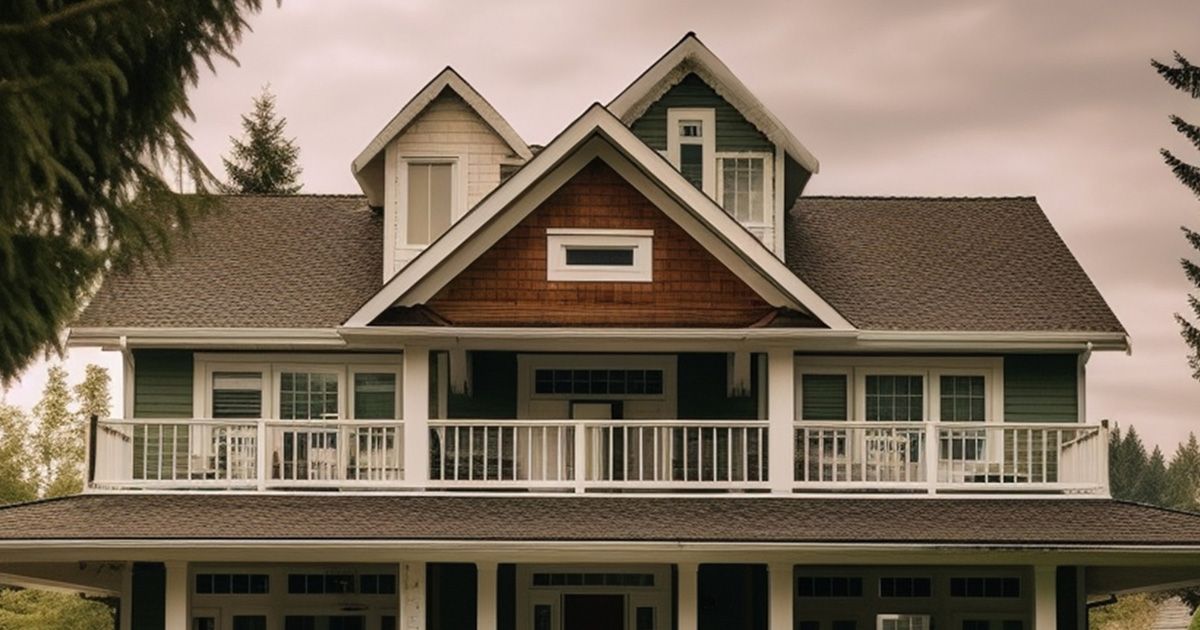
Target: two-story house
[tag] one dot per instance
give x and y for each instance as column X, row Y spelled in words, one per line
column 634, row 379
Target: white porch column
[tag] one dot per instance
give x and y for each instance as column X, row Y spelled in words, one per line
column 781, row 603
column 1045, row 597
column 689, row 598
column 416, row 416
column 175, row 590
column 412, row 596
column 781, row 415
column 126, row 606
column 485, row 596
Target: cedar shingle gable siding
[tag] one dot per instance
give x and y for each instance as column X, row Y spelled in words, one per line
column 507, row 285
column 734, row 132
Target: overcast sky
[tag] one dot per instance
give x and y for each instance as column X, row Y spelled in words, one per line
column 1052, row 99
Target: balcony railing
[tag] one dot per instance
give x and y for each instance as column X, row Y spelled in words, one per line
column 598, row 455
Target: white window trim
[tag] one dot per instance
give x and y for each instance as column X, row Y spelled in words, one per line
column 930, row 368
column 708, row 119
column 527, row 364
column 458, row 193
column 270, row 366
column 924, row 620
column 559, row 240
column 768, row 192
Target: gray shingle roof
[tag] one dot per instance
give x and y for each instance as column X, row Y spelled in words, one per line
column 257, row 261
column 601, row 518
column 982, row 264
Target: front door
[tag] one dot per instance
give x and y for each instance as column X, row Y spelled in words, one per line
column 593, row 612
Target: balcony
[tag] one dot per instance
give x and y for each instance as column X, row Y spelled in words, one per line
column 675, row 456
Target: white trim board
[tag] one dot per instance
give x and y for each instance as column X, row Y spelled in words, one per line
column 447, row 78
column 598, row 134
column 690, row 55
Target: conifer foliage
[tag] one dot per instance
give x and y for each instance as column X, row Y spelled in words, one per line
column 92, row 94
column 1186, row 77
column 264, row 161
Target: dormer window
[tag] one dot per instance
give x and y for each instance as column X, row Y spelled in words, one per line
column 430, row 197
column 585, row 255
column 691, row 145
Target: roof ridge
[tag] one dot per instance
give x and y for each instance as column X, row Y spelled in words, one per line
column 920, row 197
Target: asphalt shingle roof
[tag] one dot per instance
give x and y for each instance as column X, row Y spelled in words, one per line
column 965, row 521
column 256, row 261
column 918, row 263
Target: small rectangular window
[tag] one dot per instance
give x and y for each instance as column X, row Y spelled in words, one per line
column 905, row 587
column 690, row 129
column 582, row 255
column 232, row 584
column 430, row 196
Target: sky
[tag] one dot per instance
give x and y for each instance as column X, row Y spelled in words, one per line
column 1051, row 99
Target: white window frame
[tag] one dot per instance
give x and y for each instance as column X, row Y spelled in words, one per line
column 458, row 193
column 768, row 192
column 708, row 141
column 559, row 240
column 528, row 364
column 925, row 620
column 271, row 365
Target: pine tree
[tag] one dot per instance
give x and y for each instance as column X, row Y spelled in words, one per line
column 1186, row 77
column 93, row 92
column 1152, row 487
column 17, row 479
column 264, row 161
column 1127, row 465
column 1183, row 477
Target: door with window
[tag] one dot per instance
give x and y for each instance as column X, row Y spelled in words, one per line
column 307, row 397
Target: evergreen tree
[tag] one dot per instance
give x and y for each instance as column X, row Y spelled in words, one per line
column 92, row 94
column 1127, row 465
column 1186, row 77
column 17, row 481
column 57, row 442
column 264, row 161
column 1183, row 477
column 1153, row 485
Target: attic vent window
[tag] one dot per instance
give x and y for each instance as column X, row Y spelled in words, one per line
column 579, row 255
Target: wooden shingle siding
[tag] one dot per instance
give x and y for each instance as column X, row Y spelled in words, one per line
column 734, row 132
column 507, row 285
column 162, row 384
column 1041, row 388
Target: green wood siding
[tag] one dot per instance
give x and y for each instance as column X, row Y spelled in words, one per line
column 149, row 611
column 795, row 178
column 1041, row 388
column 702, row 393
column 494, row 383
column 734, row 132
column 162, row 384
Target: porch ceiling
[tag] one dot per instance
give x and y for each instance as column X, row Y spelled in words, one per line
column 971, row 522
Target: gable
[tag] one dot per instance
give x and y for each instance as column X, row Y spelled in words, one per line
column 507, row 285
column 734, row 132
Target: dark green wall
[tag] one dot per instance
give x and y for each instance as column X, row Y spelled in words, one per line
column 702, row 389
column 795, row 178
column 732, row 596
column 148, row 603
column 734, row 132
column 494, row 388
column 450, row 596
column 162, row 384
column 1041, row 388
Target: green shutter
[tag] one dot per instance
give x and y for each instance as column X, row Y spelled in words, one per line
column 1041, row 388
column 823, row 397
column 162, row 384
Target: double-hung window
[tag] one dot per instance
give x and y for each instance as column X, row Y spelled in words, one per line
column 430, row 199
column 744, row 186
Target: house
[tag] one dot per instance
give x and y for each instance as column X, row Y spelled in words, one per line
column 635, row 379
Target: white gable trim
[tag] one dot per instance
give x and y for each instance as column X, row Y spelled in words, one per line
column 690, row 55
column 597, row 133
column 447, row 78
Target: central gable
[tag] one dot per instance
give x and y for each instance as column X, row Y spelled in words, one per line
column 507, row 285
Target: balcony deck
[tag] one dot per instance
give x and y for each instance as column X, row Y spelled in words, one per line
column 652, row 456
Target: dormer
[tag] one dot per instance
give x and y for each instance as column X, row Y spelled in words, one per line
column 445, row 150
column 702, row 119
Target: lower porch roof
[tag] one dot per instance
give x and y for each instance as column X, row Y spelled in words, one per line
column 313, row 516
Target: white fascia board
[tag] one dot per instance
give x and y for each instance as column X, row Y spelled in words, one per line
column 630, row 103
column 447, row 78
column 542, row 176
column 119, row 338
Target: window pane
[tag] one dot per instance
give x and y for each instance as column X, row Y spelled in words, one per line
column 691, row 163
column 824, row 397
column 418, row 204
column 237, row 395
column 895, row 398
column 308, row 396
column 374, row 396
column 440, row 194
column 620, row 256
column 962, row 399
column 742, row 194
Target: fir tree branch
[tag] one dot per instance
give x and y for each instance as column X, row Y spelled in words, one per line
column 49, row 20
column 1190, row 131
column 1185, row 77
column 1186, row 173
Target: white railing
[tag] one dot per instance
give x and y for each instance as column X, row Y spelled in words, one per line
column 971, row 457
column 647, row 454
column 599, row 455
column 187, row 453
